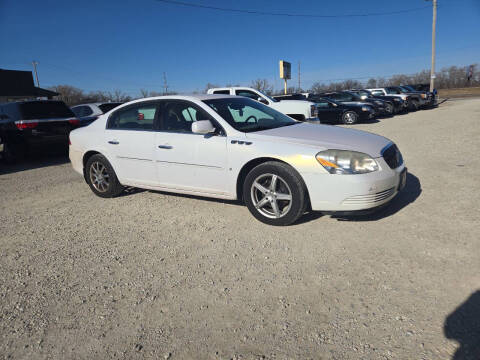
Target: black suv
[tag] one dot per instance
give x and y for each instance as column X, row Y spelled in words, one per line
column 26, row 124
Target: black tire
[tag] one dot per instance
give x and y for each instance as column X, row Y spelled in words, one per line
column 389, row 109
column 414, row 105
column 99, row 165
column 349, row 117
column 13, row 152
column 288, row 181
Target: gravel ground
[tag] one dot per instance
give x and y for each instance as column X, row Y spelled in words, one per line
column 154, row 275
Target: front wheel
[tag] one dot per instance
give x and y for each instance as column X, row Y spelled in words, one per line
column 389, row 109
column 101, row 177
column 349, row 118
column 275, row 193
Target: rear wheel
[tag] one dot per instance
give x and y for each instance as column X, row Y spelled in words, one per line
column 14, row 152
column 101, row 177
column 275, row 194
column 350, row 117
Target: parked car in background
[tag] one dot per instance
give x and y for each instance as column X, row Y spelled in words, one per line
column 413, row 101
column 233, row 147
column 301, row 110
column 87, row 113
column 330, row 111
column 24, row 125
column 346, row 97
column 427, row 96
column 398, row 104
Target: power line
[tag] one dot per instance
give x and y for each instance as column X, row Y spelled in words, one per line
column 257, row 12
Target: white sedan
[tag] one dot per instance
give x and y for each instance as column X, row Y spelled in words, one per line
column 232, row 147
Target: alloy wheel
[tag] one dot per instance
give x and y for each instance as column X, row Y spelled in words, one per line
column 99, row 176
column 271, row 196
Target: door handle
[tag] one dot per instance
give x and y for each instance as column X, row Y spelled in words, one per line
column 113, row 142
column 167, row 147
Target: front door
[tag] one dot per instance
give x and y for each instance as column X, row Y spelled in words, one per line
column 188, row 161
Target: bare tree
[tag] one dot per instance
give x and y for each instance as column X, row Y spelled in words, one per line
column 210, row 86
column 262, row 85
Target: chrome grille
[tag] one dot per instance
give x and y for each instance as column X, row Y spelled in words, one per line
column 370, row 198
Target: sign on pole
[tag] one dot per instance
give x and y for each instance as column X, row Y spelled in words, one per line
column 285, row 72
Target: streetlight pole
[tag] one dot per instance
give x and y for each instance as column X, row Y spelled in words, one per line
column 432, row 69
column 35, row 70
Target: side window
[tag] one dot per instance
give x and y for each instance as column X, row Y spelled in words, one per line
column 78, row 111
column 247, row 93
column 136, row 117
column 87, row 111
column 377, row 92
column 224, row 92
column 178, row 116
column 323, row 104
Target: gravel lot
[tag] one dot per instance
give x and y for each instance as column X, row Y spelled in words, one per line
column 154, row 275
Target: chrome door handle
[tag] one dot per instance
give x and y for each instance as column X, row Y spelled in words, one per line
column 168, row 147
column 113, row 142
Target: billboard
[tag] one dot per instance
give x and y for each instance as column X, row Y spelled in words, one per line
column 285, row 70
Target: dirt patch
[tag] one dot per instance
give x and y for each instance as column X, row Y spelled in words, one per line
column 152, row 275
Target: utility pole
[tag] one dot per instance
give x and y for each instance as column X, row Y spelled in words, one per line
column 432, row 69
column 165, row 83
column 299, row 76
column 35, row 70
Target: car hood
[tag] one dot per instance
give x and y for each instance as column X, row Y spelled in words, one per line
column 325, row 137
column 298, row 102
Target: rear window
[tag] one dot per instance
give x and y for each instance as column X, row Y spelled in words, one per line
column 108, row 106
column 44, row 110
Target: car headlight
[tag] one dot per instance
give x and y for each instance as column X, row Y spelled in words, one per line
column 346, row 162
column 424, row 96
column 313, row 111
column 397, row 100
column 366, row 108
column 378, row 102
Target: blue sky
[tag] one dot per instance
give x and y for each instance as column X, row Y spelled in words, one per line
column 127, row 45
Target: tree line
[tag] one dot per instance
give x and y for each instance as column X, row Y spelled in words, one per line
column 446, row 78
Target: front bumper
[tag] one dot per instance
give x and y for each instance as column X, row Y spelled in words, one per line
column 355, row 192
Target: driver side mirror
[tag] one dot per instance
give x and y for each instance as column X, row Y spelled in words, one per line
column 262, row 100
column 203, row 127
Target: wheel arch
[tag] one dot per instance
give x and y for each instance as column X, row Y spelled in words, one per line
column 247, row 167
column 85, row 158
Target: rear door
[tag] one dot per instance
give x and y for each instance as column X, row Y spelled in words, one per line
column 188, row 161
column 129, row 138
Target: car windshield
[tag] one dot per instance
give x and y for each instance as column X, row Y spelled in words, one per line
column 248, row 115
column 354, row 96
column 267, row 96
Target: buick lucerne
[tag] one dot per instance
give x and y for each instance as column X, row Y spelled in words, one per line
column 232, row 147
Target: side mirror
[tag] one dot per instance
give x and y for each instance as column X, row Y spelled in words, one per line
column 203, row 127
column 262, row 100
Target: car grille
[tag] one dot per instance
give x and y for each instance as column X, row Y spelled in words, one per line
column 392, row 156
column 369, row 199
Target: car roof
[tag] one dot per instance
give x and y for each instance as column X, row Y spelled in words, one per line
column 99, row 103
